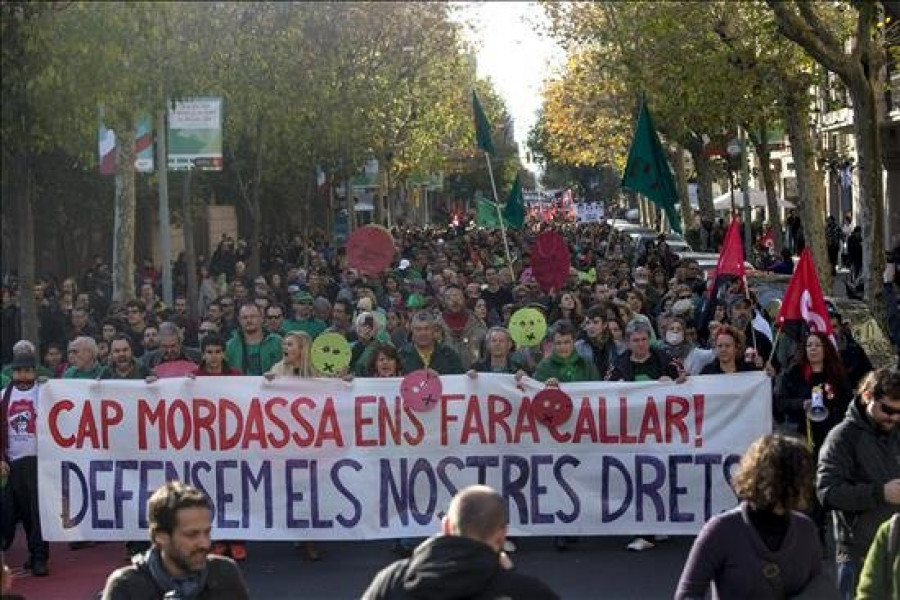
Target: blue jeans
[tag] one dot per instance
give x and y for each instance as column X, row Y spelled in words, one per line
column 847, row 570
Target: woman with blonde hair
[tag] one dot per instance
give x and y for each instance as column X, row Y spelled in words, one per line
column 296, row 361
column 766, row 547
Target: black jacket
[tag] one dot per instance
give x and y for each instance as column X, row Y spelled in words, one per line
column 795, row 388
column 856, row 461
column 659, row 364
column 454, row 568
column 134, row 582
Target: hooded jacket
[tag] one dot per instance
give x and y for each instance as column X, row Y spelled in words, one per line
column 566, row 370
column 454, row 568
column 855, row 462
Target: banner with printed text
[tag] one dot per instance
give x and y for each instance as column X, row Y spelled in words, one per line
column 325, row 459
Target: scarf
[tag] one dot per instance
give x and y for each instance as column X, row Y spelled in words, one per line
column 185, row 586
column 680, row 351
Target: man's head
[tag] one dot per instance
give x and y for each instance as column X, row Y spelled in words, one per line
column 227, row 305
column 135, row 312
column 563, row 337
column 250, row 318
column 84, row 353
column 422, row 329
column 24, row 364
column 213, row 349
column 638, row 335
column 595, row 321
column 880, row 392
column 302, row 302
column 120, row 350
column 341, row 311
column 498, row 342
column 274, row 318
column 454, row 301
column 180, row 519
column 741, row 314
column 180, row 305
column 150, row 340
column 479, row 513
column 170, row 340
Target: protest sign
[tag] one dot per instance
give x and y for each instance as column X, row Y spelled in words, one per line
column 324, row 459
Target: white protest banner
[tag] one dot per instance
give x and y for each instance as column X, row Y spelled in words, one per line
column 325, row 459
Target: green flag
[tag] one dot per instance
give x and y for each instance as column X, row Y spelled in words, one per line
column 648, row 172
column 486, row 215
column 482, row 127
column 514, row 211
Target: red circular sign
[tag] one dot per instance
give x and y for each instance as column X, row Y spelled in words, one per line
column 370, row 249
column 552, row 407
column 421, row 390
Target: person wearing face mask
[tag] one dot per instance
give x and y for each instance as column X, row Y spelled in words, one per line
column 678, row 347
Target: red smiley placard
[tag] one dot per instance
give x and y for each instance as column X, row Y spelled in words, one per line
column 421, row 390
column 552, row 407
column 370, row 249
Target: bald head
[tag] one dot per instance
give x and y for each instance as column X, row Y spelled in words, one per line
column 478, row 512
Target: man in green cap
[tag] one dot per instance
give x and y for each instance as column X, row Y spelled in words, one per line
column 304, row 320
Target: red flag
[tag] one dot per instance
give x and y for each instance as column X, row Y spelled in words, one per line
column 803, row 299
column 731, row 258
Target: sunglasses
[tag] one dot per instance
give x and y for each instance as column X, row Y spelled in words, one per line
column 889, row 411
column 274, row 316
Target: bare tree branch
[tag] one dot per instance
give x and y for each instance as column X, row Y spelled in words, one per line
column 800, row 32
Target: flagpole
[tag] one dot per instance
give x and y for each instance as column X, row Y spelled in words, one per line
column 487, row 158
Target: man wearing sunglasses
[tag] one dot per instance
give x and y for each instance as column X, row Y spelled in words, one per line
column 859, row 471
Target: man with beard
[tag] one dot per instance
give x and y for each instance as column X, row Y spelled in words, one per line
column 463, row 331
column 179, row 564
column 495, row 296
column 171, row 348
column 859, row 473
column 122, row 364
column 741, row 317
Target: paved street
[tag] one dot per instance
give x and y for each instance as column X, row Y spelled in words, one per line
column 594, row 568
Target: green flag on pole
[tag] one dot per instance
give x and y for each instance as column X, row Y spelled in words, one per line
column 482, row 127
column 648, row 172
column 514, row 210
column 486, row 215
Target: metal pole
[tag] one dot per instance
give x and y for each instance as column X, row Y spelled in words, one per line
column 165, row 225
column 487, row 158
column 745, row 184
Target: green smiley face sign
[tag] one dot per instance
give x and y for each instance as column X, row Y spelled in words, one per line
column 330, row 353
column 527, row 327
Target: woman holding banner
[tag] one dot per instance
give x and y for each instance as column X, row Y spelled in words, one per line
column 296, row 363
column 729, row 347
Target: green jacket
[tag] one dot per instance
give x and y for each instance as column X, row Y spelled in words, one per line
column 574, row 368
column 880, row 576
column 74, row 373
column 270, row 352
column 444, row 360
column 314, row 327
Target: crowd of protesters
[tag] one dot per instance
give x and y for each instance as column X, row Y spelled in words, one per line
column 625, row 313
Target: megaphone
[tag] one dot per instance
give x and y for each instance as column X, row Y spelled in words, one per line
column 817, row 410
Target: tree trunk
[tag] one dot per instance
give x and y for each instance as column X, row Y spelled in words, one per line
column 190, row 255
column 761, row 146
column 687, row 213
column 871, row 192
column 703, row 167
column 256, row 202
column 123, row 234
column 25, row 250
column 811, row 202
